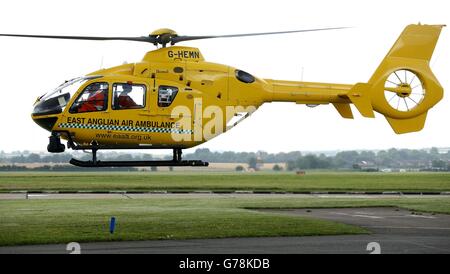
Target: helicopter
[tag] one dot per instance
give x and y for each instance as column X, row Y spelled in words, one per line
column 175, row 99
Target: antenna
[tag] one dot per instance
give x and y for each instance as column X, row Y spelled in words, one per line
column 434, row 60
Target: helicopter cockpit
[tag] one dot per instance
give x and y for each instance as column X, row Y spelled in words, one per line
column 54, row 102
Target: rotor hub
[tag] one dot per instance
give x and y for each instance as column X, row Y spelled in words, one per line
column 402, row 90
column 163, row 31
column 163, row 36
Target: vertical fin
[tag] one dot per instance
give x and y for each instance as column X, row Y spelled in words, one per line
column 401, row 126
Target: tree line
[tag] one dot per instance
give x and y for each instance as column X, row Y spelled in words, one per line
column 391, row 158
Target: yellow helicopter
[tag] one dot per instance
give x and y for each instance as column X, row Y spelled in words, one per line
column 174, row 99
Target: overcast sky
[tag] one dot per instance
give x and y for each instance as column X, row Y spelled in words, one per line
column 31, row 67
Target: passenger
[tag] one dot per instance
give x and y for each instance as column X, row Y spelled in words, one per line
column 95, row 101
column 125, row 101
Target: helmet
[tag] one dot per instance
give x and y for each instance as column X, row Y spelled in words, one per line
column 94, row 87
column 126, row 88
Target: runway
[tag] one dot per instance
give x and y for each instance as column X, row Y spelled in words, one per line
column 202, row 194
column 395, row 230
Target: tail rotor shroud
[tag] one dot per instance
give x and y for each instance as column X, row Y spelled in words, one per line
column 403, row 88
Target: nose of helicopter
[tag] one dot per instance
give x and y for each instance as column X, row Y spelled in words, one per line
column 46, row 123
column 46, row 112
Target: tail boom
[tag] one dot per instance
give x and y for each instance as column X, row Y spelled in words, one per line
column 403, row 88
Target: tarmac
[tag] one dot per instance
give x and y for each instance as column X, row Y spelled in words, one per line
column 20, row 195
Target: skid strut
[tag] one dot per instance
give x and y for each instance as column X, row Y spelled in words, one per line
column 94, row 147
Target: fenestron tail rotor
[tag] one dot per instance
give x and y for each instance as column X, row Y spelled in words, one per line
column 404, row 90
column 163, row 36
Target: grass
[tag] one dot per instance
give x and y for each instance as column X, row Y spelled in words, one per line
column 63, row 221
column 175, row 181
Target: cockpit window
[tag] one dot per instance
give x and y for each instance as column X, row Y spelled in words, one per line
column 128, row 96
column 54, row 102
column 93, row 98
column 166, row 95
column 244, row 76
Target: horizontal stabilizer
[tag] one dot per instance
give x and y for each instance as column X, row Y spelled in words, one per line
column 344, row 110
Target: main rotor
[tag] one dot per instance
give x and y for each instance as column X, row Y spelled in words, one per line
column 163, row 36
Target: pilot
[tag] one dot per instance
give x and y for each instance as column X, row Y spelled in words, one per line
column 95, row 100
column 125, row 101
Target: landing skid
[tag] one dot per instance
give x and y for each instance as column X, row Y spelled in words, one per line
column 176, row 161
column 56, row 146
column 192, row 163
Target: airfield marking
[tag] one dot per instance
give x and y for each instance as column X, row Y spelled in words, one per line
column 37, row 195
column 363, row 213
column 367, row 216
column 409, row 227
column 422, row 216
column 357, row 215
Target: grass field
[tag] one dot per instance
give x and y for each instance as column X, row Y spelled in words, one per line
column 185, row 181
column 63, row 221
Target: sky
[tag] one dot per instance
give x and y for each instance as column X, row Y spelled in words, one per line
column 32, row 67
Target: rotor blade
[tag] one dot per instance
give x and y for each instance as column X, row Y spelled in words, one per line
column 95, row 38
column 156, row 39
column 177, row 39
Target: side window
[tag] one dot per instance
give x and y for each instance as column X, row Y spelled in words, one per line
column 166, row 95
column 93, row 98
column 128, row 96
column 244, row 77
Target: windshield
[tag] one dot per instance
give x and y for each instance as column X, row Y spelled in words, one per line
column 55, row 101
